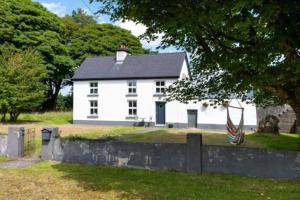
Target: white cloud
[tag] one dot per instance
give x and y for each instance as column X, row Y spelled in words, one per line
column 139, row 29
column 57, row 8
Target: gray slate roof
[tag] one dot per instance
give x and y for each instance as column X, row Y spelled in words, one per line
column 164, row 65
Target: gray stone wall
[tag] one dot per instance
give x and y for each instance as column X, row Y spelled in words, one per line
column 285, row 114
column 3, row 145
column 251, row 161
column 114, row 153
column 189, row 157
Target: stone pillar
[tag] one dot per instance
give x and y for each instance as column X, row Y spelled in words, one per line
column 15, row 142
column 194, row 154
column 48, row 138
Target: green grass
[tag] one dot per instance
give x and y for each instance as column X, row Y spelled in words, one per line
column 3, row 158
column 48, row 180
column 282, row 141
column 105, row 132
column 55, row 118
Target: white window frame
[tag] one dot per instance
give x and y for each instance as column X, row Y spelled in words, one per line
column 132, row 87
column 159, row 87
column 94, row 107
column 94, row 88
column 132, row 108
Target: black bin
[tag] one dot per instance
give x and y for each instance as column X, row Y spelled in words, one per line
column 46, row 134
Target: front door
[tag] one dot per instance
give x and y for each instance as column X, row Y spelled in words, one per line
column 192, row 118
column 160, row 113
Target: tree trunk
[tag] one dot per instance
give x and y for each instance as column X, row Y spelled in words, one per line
column 3, row 117
column 296, row 108
column 53, row 91
column 13, row 116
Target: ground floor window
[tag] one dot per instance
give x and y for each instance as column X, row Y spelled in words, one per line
column 132, row 107
column 94, row 107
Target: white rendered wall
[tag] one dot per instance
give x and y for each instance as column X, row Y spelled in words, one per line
column 177, row 112
column 113, row 104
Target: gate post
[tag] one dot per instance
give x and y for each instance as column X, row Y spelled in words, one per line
column 15, row 141
column 48, row 139
column 193, row 153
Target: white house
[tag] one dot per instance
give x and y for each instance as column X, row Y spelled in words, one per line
column 124, row 89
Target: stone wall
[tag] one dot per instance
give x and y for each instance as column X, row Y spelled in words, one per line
column 251, row 161
column 3, row 145
column 189, row 157
column 146, row 155
column 285, row 114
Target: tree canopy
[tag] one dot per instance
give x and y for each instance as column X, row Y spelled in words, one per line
column 236, row 46
column 82, row 18
column 101, row 39
column 21, row 76
column 26, row 24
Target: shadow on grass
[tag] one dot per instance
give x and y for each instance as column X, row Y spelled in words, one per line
column 128, row 183
column 21, row 121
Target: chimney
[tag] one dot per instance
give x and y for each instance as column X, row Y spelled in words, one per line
column 121, row 53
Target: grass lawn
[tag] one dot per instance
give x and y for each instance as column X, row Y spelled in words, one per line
column 49, row 180
column 3, row 158
column 63, row 120
column 282, row 141
column 55, row 118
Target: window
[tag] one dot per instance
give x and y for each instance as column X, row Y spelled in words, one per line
column 132, row 108
column 131, row 87
column 160, row 87
column 94, row 107
column 93, row 88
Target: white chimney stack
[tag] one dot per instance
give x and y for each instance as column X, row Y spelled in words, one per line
column 121, row 53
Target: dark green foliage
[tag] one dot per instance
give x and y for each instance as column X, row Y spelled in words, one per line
column 82, row 18
column 20, row 80
column 102, row 39
column 25, row 24
column 236, row 46
column 64, row 103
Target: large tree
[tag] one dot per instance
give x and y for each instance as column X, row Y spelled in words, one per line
column 21, row 87
column 82, row 18
column 25, row 24
column 236, row 46
column 101, row 39
column 87, row 38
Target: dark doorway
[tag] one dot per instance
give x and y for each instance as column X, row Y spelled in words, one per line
column 160, row 113
column 192, row 118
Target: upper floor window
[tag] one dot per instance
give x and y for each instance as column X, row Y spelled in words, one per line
column 132, row 107
column 94, row 107
column 131, row 87
column 93, row 87
column 160, row 87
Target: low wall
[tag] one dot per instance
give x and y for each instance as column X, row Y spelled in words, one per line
column 251, row 161
column 189, row 157
column 3, row 145
column 146, row 155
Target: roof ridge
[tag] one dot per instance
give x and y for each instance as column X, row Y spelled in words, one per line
column 150, row 54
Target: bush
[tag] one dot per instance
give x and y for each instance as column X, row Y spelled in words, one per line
column 64, row 103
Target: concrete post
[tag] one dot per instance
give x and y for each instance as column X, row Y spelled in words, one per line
column 194, row 154
column 15, row 141
column 48, row 142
